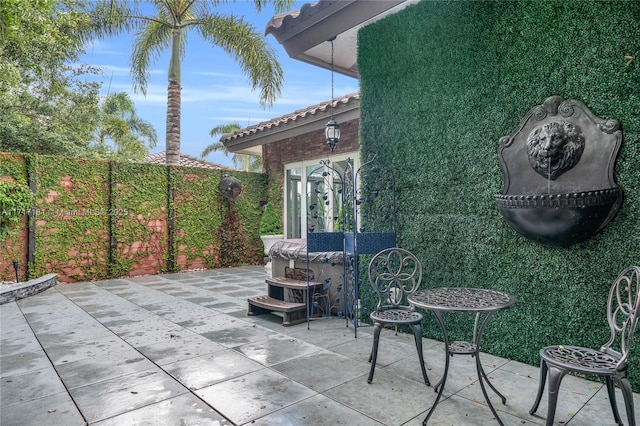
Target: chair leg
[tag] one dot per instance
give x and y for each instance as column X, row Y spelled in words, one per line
column 543, row 380
column 555, row 378
column 417, row 334
column 611, row 391
column 627, row 393
column 374, row 345
column 377, row 328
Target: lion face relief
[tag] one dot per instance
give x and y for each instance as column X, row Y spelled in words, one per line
column 554, row 148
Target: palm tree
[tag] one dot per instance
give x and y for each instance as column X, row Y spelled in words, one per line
column 246, row 162
column 119, row 123
column 167, row 29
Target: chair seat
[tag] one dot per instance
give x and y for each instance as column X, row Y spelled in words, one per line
column 396, row 316
column 581, row 359
column 623, row 307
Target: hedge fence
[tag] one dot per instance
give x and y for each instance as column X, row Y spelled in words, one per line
column 441, row 82
column 99, row 219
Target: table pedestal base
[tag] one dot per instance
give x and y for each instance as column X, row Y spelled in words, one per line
column 465, row 348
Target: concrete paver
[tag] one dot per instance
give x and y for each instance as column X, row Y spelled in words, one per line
column 178, row 349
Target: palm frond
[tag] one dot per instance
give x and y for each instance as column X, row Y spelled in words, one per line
column 278, row 5
column 167, row 27
column 119, row 123
column 218, row 146
column 255, row 163
column 224, row 129
column 147, row 48
column 248, row 47
column 112, row 17
column 214, row 147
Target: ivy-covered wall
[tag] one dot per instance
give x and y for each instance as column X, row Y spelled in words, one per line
column 99, row 219
column 138, row 219
column 213, row 231
column 71, row 218
column 441, row 83
column 13, row 169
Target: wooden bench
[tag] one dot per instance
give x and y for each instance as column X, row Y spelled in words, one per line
column 287, row 295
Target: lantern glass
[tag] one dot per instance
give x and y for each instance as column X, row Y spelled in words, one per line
column 332, row 133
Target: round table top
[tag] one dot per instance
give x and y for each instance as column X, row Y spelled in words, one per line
column 462, row 299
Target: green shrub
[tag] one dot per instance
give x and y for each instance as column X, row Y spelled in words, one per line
column 270, row 223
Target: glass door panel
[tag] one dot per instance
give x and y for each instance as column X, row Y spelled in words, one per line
column 293, row 204
column 313, row 196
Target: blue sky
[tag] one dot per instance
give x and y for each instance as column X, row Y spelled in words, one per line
column 214, row 90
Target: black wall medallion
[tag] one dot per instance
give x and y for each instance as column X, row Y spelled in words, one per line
column 558, row 169
column 230, row 187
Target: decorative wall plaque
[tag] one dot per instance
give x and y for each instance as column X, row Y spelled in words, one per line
column 230, row 187
column 558, row 169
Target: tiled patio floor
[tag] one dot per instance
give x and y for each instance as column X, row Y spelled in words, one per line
column 179, row 349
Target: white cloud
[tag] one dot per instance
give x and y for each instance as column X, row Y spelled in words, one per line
column 124, row 72
column 114, row 70
column 304, row 95
column 226, row 75
column 156, row 96
column 243, row 120
column 219, row 93
column 102, row 47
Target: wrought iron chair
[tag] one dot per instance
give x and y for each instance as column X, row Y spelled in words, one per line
column 608, row 362
column 394, row 275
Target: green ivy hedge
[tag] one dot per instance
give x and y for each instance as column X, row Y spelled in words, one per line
column 139, row 200
column 13, row 171
column 71, row 217
column 99, row 219
column 441, row 83
column 222, row 232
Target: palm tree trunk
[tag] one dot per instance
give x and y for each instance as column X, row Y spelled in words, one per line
column 173, row 123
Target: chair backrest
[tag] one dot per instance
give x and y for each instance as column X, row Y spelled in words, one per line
column 622, row 313
column 394, row 274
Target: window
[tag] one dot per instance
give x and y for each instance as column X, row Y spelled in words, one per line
column 322, row 189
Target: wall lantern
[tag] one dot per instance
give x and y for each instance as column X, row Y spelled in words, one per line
column 332, row 129
column 332, row 133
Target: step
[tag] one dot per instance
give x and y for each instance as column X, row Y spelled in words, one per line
column 291, row 283
column 276, row 304
column 293, row 313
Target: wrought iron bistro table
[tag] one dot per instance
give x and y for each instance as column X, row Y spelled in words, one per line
column 484, row 303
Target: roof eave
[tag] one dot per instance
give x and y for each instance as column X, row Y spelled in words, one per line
column 304, row 33
column 267, row 133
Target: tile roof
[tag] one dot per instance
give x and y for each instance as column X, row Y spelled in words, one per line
column 185, row 161
column 300, row 114
column 278, row 20
column 314, row 32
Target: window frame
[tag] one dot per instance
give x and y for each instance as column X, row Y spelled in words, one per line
column 306, row 166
